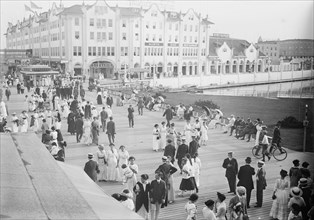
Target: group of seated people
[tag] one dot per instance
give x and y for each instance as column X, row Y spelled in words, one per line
column 54, row 143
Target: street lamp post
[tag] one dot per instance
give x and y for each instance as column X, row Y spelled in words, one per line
column 305, row 125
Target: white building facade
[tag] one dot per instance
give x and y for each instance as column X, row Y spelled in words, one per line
column 102, row 40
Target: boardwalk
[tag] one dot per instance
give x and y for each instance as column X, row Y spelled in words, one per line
column 138, row 141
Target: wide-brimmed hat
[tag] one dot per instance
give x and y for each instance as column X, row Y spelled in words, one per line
column 221, row 196
column 241, row 190
column 183, row 138
column 296, row 162
column 209, row 203
column 14, row 113
column 101, row 146
column 296, row 192
column 90, row 155
column 248, row 160
column 303, row 182
column 261, row 162
column 164, row 158
column 193, row 197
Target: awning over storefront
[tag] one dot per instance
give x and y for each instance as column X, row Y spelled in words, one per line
column 29, row 73
column 139, row 70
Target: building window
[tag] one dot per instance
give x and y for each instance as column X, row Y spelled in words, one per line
column 170, row 51
column 77, row 21
column 145, row 51
column 108, row 51
column 110, row 36
column 185, row 27
column 154, row 25
column 94, row 51
column 123, row 23
column 195, row 40
column 122, row 51
column 184, row 39
column 136, row 24
column 91, row 35
column 79, row 53
column 147, row 37
column 126, row 51
column 147, row 25
column 123, row 36
column 136, row 36
column 91, row 22
column 112, row 51
column 103, row 35
column 154, row 37
column 190, row 39
column 169, row 38
column 103, row 22
column 98, row 24
column 99, row 51
column 196, row 28
column 103, row 51
column 176, row 38
column 274, row 54
column 110, row 23
column 98, row 35
column 203, row 39
column 148, row 51
column 160, row 37
column 89, row 51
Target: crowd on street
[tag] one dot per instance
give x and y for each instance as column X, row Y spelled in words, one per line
column 47, row 109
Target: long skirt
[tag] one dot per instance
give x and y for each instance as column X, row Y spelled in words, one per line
column 99, row 100
column 95, row 136
column 171, row 189
column 102, row 175
column 187, row 184
column 143, row 212
column 113, row 171
column 156, row 142
column 279, row 207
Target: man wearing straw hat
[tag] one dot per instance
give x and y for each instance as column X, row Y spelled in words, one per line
column 91, row 167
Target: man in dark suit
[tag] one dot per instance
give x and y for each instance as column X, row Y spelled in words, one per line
column 131, row 116
column 111, row 130
column 169, row 115
column 193, row 146
column 157, row 195
column 182, row 150
column 79, row 129
column 245, row 179
column 170, row 150
column 231, row 166
column 91, row 168
column 141, row 190
column 260, row 183
column 103, row 118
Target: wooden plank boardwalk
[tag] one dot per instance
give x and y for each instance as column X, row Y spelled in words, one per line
column 138, row 141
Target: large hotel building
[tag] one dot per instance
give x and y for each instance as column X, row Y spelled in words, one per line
column 99, row 39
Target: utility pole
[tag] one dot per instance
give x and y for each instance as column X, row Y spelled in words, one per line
column 305, row 125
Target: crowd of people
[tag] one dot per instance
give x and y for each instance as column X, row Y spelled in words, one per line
column 48, row 107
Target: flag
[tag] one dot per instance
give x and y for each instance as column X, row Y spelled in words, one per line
column 34, row 6
column 28, row 9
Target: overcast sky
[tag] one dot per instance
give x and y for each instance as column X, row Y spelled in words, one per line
column 241, row 19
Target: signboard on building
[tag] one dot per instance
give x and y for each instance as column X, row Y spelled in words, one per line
column 11, row 54
column 190, row 45
column 154, row 44
column 101, row 65
column 221, row 35
column 173, row 45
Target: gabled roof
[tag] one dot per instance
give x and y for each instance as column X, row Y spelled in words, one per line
column 237, row 45
column 75, row 9
column 130, row 12
column 206, row 21
column 261, row 54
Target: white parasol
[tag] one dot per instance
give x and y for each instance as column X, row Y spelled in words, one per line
column 219, row 112
column 161, row 98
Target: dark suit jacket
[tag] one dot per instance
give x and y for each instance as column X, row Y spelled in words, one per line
column 245, row 177
column 130, row 112
column 168, row 114
column 182, row 150
column 170, row 150
column 231, row 170
column 111, row 127
column 157, row 191
column 193, row 148
column 79, row 125
column 261, row 181
column 142, row 198
column 103, row 115
column 91, row 169
column 109, row 100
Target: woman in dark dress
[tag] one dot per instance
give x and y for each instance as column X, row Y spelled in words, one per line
column 99, row 99
column 71, row 123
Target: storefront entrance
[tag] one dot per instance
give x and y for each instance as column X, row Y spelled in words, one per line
column 101, row 69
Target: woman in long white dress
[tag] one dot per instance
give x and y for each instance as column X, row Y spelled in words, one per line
column 123, row 158
column 15, row 123
column 24, row 121
column 216, row 119
column 220, row 209
column 259, row 129
column 156, row 137
column 66, row 110
column 188, row 132
column 204, row 133
column 87, row 138
column 101, row 158
column 163, row 134
column 197, row 167
column 279, row 209
column 36, row 123
column 113, row 161
column 134, row 167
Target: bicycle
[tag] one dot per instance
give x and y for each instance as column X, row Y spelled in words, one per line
column 279, row 154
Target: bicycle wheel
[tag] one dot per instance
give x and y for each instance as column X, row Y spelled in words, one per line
column 257, row 152
column 280, row 155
